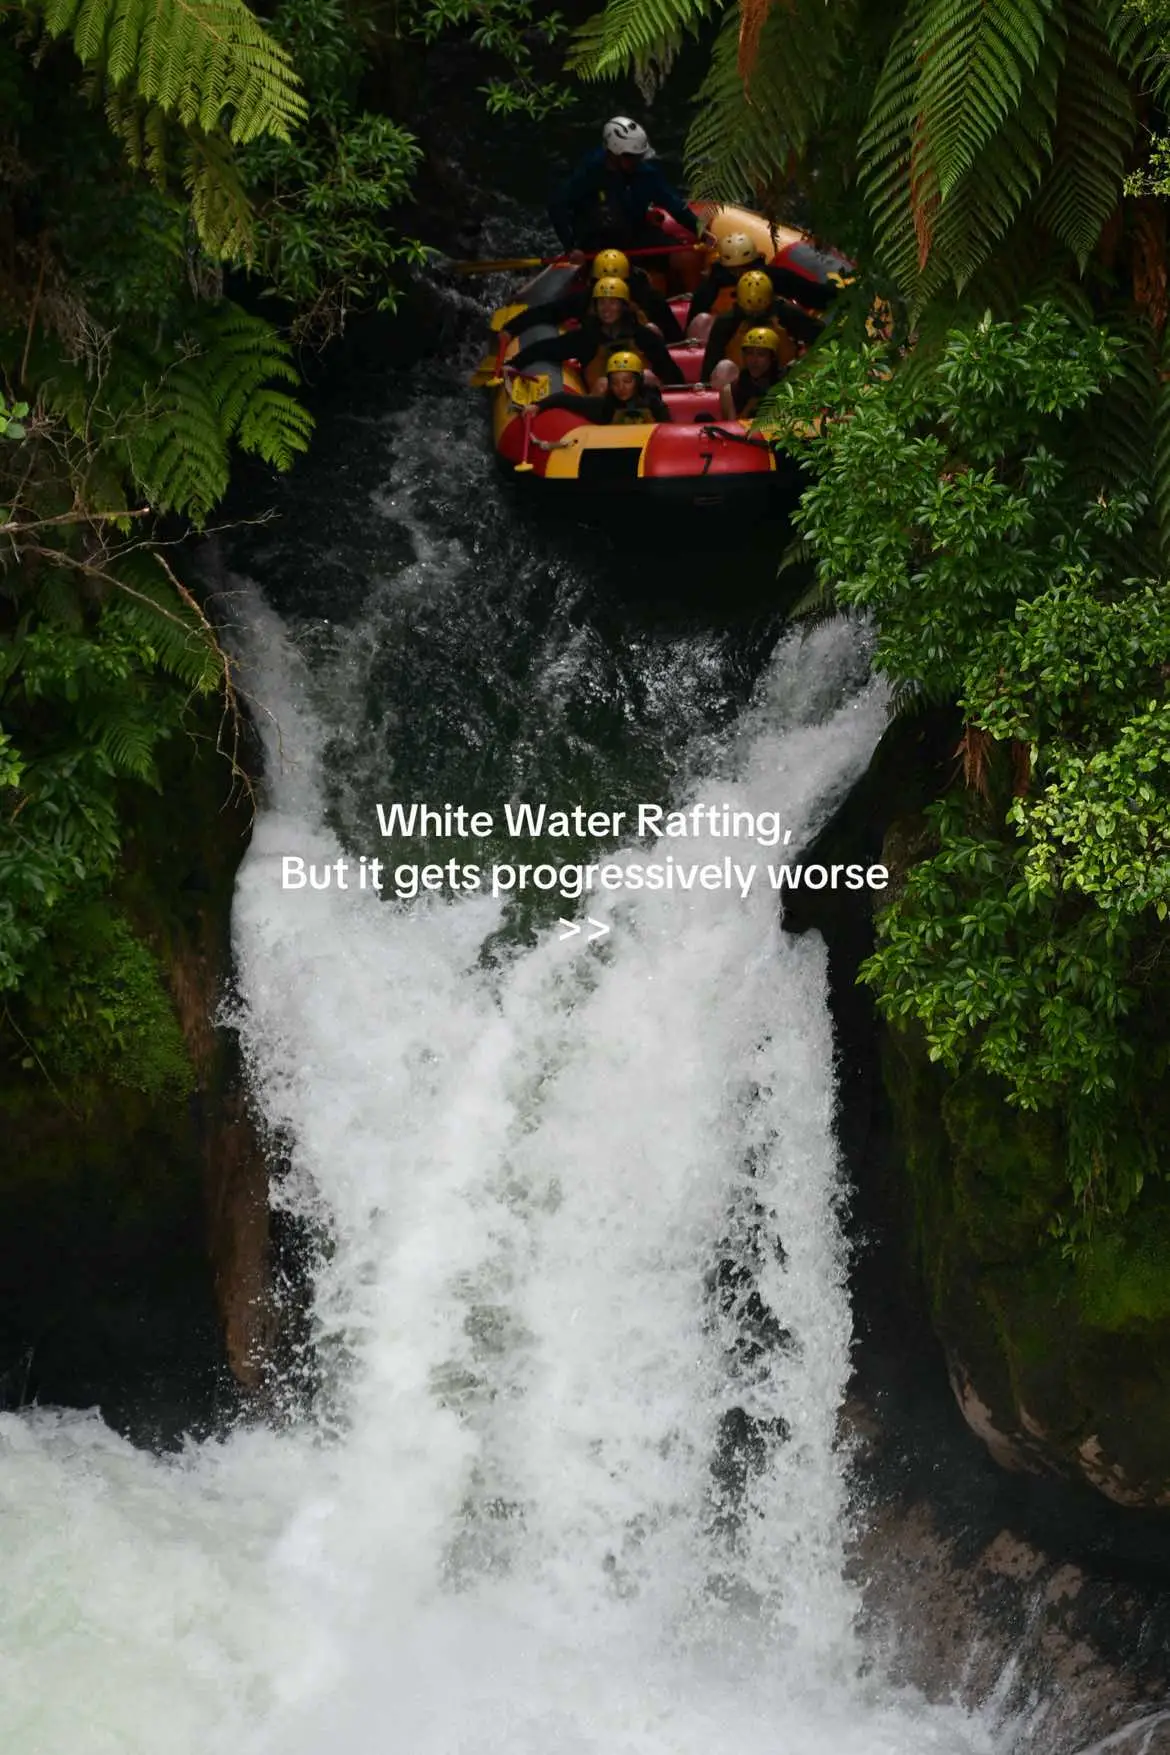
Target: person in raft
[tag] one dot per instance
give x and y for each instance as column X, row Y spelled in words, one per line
column 649, row 304
column 609, row 323
column 762, row 368
column 626, row 401
column 738, row 255
column 756, row 307
column 605, row 202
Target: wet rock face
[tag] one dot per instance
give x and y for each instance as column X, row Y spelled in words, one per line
column 1060, row 1662
column 1058, row 1364
column 134, row 1248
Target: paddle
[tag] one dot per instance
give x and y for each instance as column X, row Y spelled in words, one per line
column 506, row 264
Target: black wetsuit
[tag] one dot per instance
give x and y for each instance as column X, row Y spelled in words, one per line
column 575, row 305
column 645, row 407
column 601, row 204
column 786, row 283
column 591, row 341
column 798, row 323
column 747, row 393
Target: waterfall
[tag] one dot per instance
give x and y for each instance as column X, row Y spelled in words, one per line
column 574, row 1482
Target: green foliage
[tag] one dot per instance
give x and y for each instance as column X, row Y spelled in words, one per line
column 321, row 239
column 12, row 419
column 207, row 63
column 113, row 1022
column 504, row 29
column 86, row 699
column 637, row 35
column 955, row 501
column 736, row 146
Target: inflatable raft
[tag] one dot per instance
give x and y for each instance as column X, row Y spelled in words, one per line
column 698, row 458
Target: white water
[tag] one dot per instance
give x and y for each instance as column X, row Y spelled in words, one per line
column 501, row 1534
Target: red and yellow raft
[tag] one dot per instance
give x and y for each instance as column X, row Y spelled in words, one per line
column 698, row 458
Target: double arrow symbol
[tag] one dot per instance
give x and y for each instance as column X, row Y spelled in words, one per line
column 573, row 927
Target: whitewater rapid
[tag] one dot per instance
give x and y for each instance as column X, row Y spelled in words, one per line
column 502, row 1529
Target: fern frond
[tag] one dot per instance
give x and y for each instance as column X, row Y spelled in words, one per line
column 947, row 168
column 275, row 427
column 220, row 208
column 127, row 738
column 207, row 63
column 633, row 35
column 1094, row 130
column 1161, row 463
column 178, row 450
column 740, row 144
column 975, row 57
column 885, row 149
column 165, row 629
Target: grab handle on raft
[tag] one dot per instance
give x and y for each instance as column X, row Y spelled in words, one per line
column 735, row 438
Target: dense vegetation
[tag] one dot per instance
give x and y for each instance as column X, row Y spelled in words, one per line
column 187, row 194
column 994, row 490
column 192, row 193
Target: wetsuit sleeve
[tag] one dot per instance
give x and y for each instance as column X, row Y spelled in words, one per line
column 653, row 350
column 656, row 405
column 722, row 331
column 707, row 292
column 555, row 311
column 556, row 347
column 562, row 209
column 662, row 194
column 798, row 323
column 592, row 407
column 657, row 309
column 790, row 285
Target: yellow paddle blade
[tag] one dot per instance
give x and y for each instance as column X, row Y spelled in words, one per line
column 526, row 390
column 485, row 374
column 502, row 317
column 503, row 266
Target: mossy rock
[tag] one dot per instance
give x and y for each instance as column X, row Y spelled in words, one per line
column 123, row 1244
column 1058, row 1363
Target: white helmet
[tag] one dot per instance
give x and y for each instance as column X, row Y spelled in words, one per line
column 623, row 135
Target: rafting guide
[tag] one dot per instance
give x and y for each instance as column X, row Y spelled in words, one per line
column 596, row 874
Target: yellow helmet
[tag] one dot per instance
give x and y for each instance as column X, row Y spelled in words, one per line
column 762, row 338
column 736, row 250
column 610, row 287
column 625, row 360
column 755, row 291
column 614, row 263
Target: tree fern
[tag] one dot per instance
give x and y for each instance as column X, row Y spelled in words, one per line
column 145, row 608
column 207, row 63
column 126, row 734
column 1161, row 463
column 886, row 146
column 633, row 35
column 741, row 142
column 1094, row 130
column 975, row 57
column 959, row 136
column 218, row 392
